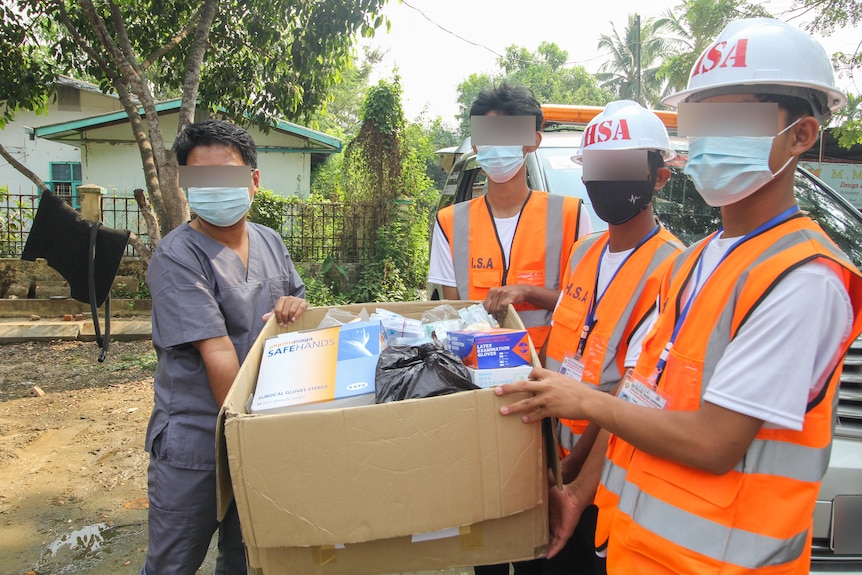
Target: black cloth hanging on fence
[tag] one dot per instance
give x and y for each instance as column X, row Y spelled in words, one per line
column 86, row 254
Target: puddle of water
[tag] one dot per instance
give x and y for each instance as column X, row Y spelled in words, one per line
column 84, row 550
column 84, row 541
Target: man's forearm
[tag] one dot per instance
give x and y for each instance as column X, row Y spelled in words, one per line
column 544, row 298
column 573, row 462
column 222, row 365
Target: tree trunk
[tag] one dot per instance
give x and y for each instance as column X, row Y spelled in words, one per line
column 153, row 230
column 23, row 169
column 140, row 247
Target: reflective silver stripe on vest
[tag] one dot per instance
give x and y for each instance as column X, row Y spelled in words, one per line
column 567, row 438
column 585, row 244
column 460, row 242
column 552, row 364
column 535, row 317
column 613, row 477
column 554, row 218
column 721, row 334
column 784, row 459
column 719, row 542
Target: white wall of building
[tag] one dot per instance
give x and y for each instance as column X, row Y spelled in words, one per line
column 285, row 174
column 37, row 155
column 111, row 159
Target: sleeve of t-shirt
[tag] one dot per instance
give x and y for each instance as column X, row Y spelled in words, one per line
column 185, row 308
column 585, row 225
column 636, row 340
column 441, row 270
column 784, row 352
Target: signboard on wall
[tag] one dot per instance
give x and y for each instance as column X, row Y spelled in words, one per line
column 846, row 179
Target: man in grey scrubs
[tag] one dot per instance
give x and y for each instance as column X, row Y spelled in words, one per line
column 214, row 281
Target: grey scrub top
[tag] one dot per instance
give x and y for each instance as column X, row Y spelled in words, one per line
column 201, row 290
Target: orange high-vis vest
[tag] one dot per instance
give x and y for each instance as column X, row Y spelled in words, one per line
column 547, row 229
column 757, row 518
column 626, row 302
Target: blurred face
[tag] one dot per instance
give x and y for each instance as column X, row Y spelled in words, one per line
column 781, row 144
column 220, row 155
column 223, row 196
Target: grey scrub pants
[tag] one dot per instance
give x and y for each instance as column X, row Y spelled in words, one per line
column 182, row 520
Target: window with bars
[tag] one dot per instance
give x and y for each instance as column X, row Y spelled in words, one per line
column 65, row 177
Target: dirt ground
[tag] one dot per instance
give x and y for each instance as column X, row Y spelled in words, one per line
column 73, row 471
column 73, row 483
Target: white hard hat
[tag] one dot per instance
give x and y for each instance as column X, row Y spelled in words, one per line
column 764, row 56
column 625, row 125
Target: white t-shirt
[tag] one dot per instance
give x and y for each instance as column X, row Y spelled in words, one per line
column 441, row 269
column 611, row 261
column 784, row 352
column 637, row 338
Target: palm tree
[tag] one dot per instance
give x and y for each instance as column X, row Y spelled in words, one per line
column 620, row 72
column 689, row 28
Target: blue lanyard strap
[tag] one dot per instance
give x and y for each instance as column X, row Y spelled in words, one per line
column 596, row 299
column 695, row 289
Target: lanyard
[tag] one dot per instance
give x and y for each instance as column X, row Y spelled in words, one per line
column 590, row 320
column 695, row 289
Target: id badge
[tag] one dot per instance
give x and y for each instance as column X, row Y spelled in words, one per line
column 640, row 392
column 572, row 366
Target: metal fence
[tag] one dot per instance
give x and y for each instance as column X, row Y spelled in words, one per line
column 122, row 213
column 312, row 231
column 345, row 232
column 16, row 216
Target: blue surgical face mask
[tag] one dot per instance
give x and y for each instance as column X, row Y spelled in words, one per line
column 501, row 163
column 221, row 207
column 726, row 170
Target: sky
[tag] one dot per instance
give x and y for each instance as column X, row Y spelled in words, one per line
column 432, row 61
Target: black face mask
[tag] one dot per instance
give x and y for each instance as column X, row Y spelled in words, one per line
column 617, row 202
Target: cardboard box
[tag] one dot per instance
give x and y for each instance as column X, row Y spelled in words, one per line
column 491, row 348
column 307, row 369
column 345, row 490
column 486, row 378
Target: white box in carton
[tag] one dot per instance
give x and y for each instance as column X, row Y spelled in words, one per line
column 309, row 369
column 340, row 491
column 494, row 376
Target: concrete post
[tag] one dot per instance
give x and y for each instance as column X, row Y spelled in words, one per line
column 91, row 201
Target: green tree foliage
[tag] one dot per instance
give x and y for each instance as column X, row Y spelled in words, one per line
column 621, row 74
column 689, row 27
column 24, row 66
column 254, row 61
column 326, row 178
column 544, row 71
column 424, row 137
column 373, row 157
column 848, row 122
column 339, row 115
column 380, row 166
column 829, row 15
column 825, row 17
column 267, row 209
column 468, row 90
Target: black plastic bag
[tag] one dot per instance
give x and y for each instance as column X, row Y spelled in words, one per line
column 408, row 372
